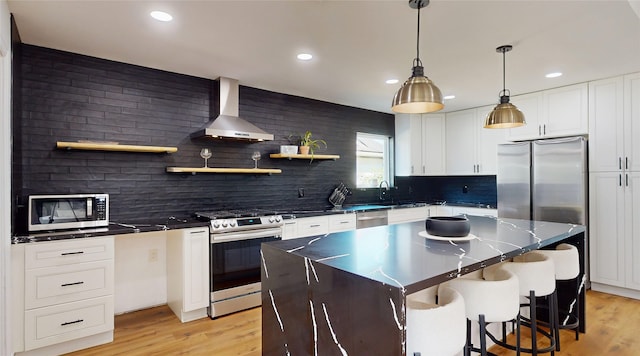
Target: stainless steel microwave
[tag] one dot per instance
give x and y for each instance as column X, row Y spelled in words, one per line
column 71, row 211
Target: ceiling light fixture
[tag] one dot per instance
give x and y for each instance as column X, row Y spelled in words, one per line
column 161, row 16
column 553, row 75
column 418, row 94
column 391, row 81
column 449, row 97
column 304, row 56
column 504, row 115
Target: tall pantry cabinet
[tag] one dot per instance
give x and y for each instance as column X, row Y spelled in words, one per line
column 614, row 187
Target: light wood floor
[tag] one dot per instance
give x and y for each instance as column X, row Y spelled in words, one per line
column 613, row 328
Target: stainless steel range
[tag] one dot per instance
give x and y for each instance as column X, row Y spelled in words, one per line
column 234, row 256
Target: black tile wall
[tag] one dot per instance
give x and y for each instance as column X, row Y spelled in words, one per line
column 453, row 189
column 71, row 97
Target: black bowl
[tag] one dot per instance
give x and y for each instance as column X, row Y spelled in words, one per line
column 448, row 226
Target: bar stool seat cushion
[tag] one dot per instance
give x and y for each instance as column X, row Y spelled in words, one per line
column 435, row 329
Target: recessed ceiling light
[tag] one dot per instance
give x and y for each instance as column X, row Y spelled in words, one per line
column 391, row 81
column 553, row 75
column 161, row 16
column 449, row 97
column 304, row 56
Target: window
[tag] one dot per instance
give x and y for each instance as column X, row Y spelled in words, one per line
column 373, row 162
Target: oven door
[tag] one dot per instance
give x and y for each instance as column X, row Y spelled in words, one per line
column 235, row 257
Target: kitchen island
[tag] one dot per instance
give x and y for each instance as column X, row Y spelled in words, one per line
column 345, row 293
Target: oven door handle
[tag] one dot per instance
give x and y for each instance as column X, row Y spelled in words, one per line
column 245, row 235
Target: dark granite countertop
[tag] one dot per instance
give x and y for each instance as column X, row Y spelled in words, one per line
column 399, row 256
column 114, row 228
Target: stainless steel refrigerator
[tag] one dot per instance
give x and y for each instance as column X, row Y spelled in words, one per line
column 544, row 180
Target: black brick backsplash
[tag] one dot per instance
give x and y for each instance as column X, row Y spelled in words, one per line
column 70, row 97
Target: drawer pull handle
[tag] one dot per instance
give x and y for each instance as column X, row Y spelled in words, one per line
column 314, row 225
column 72, row 253
column 72, row 322
column 71, row 284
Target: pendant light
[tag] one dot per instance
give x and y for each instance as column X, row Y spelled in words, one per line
column 418, row 94
column 505, row 115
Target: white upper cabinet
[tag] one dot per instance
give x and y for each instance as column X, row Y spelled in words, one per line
column 470, row 148
column 531, row 107
column 564, row 113
column 606, row 129
column 614, row 124
column 632, row 121
column 419, row 144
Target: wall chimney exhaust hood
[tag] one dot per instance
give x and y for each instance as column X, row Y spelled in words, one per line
column 227, row 125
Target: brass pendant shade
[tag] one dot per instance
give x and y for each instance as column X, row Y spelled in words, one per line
column 505, row 115
column 418, row 94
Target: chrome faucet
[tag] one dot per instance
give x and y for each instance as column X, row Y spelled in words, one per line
column 383, row 193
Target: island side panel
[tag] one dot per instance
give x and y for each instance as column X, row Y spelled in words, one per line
column 567, row 289
column 331, row 312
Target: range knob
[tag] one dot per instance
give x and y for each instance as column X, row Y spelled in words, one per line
column 216, row 224
column 224, row 223
column 232, row 223
column 272, row 219
column 278, row 218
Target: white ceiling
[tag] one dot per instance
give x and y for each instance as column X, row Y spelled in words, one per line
column 357, row 44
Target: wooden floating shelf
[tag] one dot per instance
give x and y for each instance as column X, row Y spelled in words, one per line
column 224, row 170
column 299, row 156
column 96, row 146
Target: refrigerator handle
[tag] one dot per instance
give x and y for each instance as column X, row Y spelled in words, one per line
column 626, row 163
column 626, row 179
column 620, row 179
column 619, row 162
column 544, row 129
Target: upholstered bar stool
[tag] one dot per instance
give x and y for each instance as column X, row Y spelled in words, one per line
column 435, row 329
column 492, row 299
column 567, row 266
column 536, row 277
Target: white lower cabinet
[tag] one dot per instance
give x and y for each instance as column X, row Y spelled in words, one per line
column 342, row 222
column 62, row 295
column 311, row 226
column 460, row 210
column 614, row 232
column 188, row 272
column 397, row 216
column 439, row 210
column 447, row 210
column 318, row 225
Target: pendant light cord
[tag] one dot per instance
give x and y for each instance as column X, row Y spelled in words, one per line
column 418, row 38
column 504, row 85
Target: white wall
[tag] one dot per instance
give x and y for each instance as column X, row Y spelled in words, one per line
column 5, row 175
column 140, row 271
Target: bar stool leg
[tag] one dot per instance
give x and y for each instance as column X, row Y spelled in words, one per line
column 483, row 335
column 467, row 346
column 534, row 323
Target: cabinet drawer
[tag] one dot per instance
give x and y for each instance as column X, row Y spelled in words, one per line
column 313, row 226
column 396, row 216
column 52, row 325
column 56, row 253
column 62, row 284
column 342, row 222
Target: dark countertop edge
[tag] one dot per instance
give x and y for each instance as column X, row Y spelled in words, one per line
column 112, row 229
column 354, row 208
column 415, row 287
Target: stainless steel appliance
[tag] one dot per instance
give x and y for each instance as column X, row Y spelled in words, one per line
column 543, row 180
column 68, row 211
column 234, row 256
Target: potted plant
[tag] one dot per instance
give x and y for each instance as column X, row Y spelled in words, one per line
column 308, row 145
